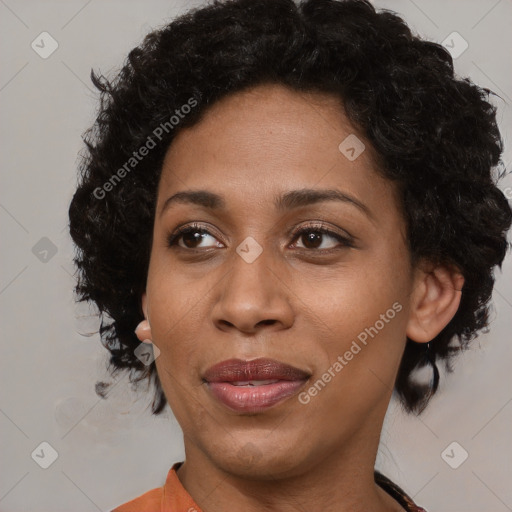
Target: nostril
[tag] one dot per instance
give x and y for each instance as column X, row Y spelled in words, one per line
column 267, row 322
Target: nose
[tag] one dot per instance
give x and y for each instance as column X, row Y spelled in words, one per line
column 253, row 296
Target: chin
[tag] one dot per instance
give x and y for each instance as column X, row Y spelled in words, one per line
column 261, row 460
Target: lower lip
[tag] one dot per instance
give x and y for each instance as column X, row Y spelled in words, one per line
column 254, row 398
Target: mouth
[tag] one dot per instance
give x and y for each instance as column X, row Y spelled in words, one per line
column 255, row 385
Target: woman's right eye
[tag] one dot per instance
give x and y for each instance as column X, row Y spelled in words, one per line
column 192, row 237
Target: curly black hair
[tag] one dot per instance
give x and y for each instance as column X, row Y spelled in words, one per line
column 435, row 134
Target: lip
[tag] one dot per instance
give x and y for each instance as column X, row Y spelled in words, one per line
column 221, row 379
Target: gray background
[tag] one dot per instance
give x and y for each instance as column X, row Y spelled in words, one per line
column 110, row 451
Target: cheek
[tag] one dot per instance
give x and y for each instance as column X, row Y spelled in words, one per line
column 361, row 311
column 354, row 297
column 176, row 323
column 358, row 355
column 176, row 317
column 175, row 300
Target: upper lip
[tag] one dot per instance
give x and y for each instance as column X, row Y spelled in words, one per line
column 233, row 370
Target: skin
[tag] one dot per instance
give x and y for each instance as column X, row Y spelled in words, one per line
column 299, row 302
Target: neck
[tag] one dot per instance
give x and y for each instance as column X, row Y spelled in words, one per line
column 336, row 482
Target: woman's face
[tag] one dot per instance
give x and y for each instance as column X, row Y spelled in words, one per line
column 334, row 306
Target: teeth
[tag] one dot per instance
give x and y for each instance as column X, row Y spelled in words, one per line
column 253, row 382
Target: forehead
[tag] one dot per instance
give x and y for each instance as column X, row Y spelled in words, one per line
column 256, row 144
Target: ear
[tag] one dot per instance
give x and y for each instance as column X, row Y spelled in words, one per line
column 143, row 330
column 434, row 301
column 144, row 302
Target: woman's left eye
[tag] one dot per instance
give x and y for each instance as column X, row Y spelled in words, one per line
column 320, row 238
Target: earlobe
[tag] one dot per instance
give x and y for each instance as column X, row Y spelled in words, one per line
column 435, row 300
column 143, row 330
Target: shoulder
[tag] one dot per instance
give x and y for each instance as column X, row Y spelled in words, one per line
column 150, row 501
column 171, row 497
column 397, row 493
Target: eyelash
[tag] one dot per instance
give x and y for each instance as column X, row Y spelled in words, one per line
column 345, row 241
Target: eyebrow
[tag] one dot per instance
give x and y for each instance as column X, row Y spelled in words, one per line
column 287, row 201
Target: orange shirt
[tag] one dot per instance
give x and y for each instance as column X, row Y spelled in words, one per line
column 173, row 497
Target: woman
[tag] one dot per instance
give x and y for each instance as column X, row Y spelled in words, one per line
column 294, row 205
